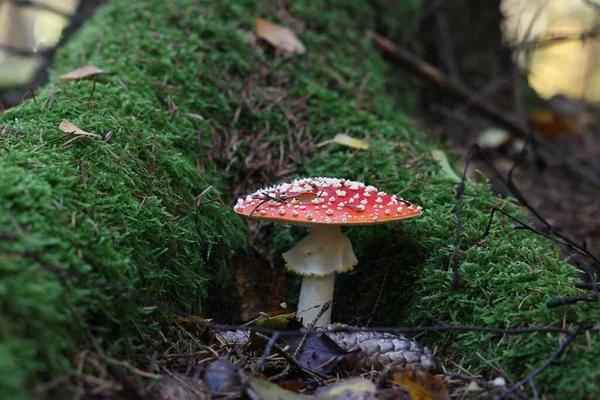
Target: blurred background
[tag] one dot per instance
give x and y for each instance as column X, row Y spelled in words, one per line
column 29, row 34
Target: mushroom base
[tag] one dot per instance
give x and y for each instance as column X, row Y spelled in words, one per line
column 315, row 292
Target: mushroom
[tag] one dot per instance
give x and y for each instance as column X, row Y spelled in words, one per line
column 325, row 204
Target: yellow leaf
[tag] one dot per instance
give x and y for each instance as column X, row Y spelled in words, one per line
column 88, row 71
column 349, row 389
column 345, row 140
column 68, row 127
column 279, row 322
column 422, row 385
column 281, row 38
column 442, row 160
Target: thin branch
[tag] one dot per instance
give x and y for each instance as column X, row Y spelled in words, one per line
column 455, row 89
column 549, row 152
column 529, row 378
column 66, row 274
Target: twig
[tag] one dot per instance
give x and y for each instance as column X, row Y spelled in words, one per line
column 549, row 152
column 258, row 366
column 563, row 346
column 65, row 274
column 437, row 77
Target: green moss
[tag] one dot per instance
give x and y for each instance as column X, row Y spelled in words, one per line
column 191, row 103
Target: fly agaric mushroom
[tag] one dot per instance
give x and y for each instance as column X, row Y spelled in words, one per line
column 325, row 204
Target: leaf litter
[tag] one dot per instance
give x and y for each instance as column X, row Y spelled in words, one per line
column 87, row 72
column 279, row 37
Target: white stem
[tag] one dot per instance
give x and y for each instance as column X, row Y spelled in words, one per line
column 317, row 257
column 315, row 291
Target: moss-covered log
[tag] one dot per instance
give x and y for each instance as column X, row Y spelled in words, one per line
column 191, row 103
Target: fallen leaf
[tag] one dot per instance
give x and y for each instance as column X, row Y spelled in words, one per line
column 551, row 124
column 318, row 353
column 260, row 389
column 68, row 127
column 89, row 71
column 221, row 376
column 442, row 160
column 275, row 320
column 279, row 37
column 345, row 140
column 279, row 321
column 349, row 389
column 422, row 385
column 177, row 387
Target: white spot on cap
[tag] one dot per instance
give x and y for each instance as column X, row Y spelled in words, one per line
column 295, row 213
column 262, row 212
column 378, row 200
column 353, row 186
column 375, row 218
column 327, row 220
column 309, row 216
column 281, row 211
column 331, row 199
column 360, row 207
column 329, row 212
column 340, row 193
column 344, row 220
column 399, row 209
column 387, row 212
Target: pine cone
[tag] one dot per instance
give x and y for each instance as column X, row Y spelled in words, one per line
column 382, row 351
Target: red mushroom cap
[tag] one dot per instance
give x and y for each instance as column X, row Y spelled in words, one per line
column 315, row 201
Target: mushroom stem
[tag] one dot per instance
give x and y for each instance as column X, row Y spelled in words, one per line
column 315, row 292
column 317, row 257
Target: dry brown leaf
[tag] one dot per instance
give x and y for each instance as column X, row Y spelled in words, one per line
column 68, row 127
column 422, row 385
column 281, row 38
column 551, row 124
column 86, row 72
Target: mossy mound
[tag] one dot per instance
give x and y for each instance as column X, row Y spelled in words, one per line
column 191, row 102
